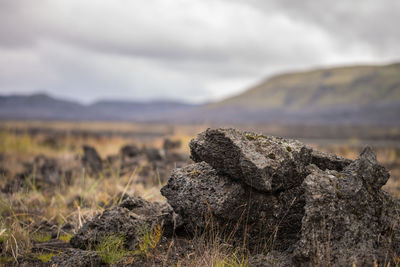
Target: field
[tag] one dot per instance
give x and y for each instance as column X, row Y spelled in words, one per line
column 40, row 215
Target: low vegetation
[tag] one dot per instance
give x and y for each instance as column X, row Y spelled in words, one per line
column 75, row 202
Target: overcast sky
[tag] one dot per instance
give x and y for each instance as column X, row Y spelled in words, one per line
column 183, row 49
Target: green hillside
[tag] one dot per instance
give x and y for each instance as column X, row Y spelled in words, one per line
column 323, row 88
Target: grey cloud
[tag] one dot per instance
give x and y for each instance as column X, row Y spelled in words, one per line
column 370, row 22
column 183, row 49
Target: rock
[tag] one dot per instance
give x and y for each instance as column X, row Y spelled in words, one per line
column 197, row 190
column 4, row 172
column 47, row 228
column 153, row 154
column 348, row 217
column 130, row 156
column 203, row 197
column 43, row 173
column 171, row 144
column 15, row 185
column 91, row 160
column 130, row 151
column 46, row 171
column 305, row 207
column 272, row 259
column 128, row 219
column 328, row 161
column 77, row 258
column 264, row 163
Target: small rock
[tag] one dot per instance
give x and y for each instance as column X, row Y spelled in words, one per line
column 153, row 154
column 130, row 151
column 171, row 144
column 127, row 219
column 15, row 185
column 44, row 173
column 91, row 160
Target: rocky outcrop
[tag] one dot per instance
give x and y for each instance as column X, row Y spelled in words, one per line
column 279, row 195
column 289, row 204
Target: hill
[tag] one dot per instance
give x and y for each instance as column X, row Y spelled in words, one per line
column 365, row 94
column 39, row 106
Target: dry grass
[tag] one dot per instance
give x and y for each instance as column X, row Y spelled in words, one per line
column 88, row 196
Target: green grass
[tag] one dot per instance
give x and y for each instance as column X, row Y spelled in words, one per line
column 111, row 248
column 45, row 257
column 66, row 238
column 322, row 88
column 41, row 237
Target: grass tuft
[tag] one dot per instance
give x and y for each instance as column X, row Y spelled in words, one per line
column 45, row 257
column 150, row 239
column 41, row 237
column 111, row 248
column 66, row 238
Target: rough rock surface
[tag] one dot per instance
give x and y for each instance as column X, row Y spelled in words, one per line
column 202, row 197
column 76, row 258
column 128, row 219
column 348, row 218
column 91, row 160
column 327, row 161
column 306, row 207
column 263, row 162
column 273, row 258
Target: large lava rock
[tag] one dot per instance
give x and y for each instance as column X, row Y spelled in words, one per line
column 280, row 195
column 347, row 217
column 204, row 198
column 127, row 219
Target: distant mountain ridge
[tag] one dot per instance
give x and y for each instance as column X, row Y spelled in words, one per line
column 323, row 88
column 42, row 106
column 352, row 95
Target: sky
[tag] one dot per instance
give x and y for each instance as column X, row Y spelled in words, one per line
column 185, row 50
